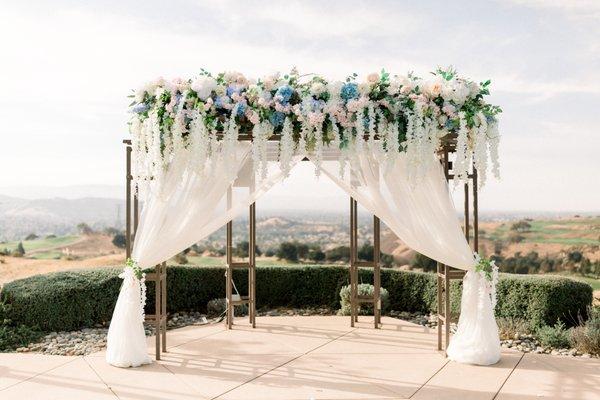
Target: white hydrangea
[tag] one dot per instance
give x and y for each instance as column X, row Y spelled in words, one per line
column 204, row 86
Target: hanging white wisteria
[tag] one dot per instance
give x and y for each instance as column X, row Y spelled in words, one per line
column 386, row 114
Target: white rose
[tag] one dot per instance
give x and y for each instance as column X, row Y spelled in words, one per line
column 334, row 88
column 317, row 88
column 473, row 89
column 204, row 86
column 395, row 84
column 364, row 88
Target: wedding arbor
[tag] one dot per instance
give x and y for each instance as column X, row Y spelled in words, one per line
column 204, row 150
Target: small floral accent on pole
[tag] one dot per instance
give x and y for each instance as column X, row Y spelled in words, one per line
column 488, row 269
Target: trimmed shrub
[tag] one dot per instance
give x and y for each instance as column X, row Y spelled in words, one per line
column 543, row 300
column 64, row 300
column 13, row 336
column 364, row 289
column 73, row 299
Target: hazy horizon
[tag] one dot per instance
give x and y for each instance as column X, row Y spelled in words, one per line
column 69, row 66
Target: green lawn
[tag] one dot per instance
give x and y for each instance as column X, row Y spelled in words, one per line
column 42, row 243
column 582, row 231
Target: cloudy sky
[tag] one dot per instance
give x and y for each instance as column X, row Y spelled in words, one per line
column 67, row 67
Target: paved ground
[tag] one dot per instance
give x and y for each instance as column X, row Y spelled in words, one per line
column 299, row 358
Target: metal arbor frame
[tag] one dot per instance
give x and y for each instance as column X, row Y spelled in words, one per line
column 444, row 273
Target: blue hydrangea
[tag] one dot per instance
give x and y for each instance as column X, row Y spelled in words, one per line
column 231, row 89
column 277, row 119
column 285, row 92
column 241, row 109
column 219, row 102
column 140, row 108
column 349, row 91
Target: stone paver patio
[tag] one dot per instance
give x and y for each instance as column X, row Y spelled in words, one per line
column 299, row 358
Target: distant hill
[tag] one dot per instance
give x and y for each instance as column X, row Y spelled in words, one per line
column 20, row 217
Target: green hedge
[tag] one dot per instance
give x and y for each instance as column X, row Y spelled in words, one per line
column 74, row 299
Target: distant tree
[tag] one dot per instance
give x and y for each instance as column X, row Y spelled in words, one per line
column 365, row 252
column 316, row 255
column 575, row 256
column 270, row 252
column 387, row 260
column 111, row 231
column 242, row 249
column 85, row 229
column 181, row 259
column 521, row 226
column 424, row 263
column 340, row 253
column 119, row 240
column 19, row 251
column 31, row 236
column 50, row 236
column 287, row 251
column 302, row 250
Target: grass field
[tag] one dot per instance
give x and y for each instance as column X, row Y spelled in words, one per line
column 43, row 248
column 568, row 232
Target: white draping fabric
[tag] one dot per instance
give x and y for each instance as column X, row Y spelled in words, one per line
column 183, row 208
column 423, row 216
column 190, row 205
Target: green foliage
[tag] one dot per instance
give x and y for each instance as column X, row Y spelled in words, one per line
column 13, row 336
column 556, row 336
column 543, row 300
column 180, row 258
column 119, row 240
column 31, row 236
column 509, row 327
column 84, row 229
column 242, row 249
column 364, row 289
column 586, row 337
column 339, row 253
column 424, row 263
column 316, row 255
column 73, row 299
column 521, row 226
column 19, row 251
column 287, row 251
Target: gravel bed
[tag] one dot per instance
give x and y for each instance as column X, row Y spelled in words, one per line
column 91, row 340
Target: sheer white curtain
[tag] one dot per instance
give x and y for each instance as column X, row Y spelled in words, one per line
column 182, row 209
column 423, row 216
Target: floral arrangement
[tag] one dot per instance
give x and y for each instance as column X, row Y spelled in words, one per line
column 388, row 113
column 488, row 269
